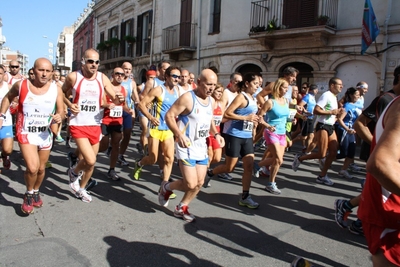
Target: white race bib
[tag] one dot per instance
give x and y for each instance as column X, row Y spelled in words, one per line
column 202, row 130
column 116, row 112
column 248, row 126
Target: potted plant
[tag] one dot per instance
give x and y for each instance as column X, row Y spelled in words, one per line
column 114, row 41
column 101, row 46
column 323, row 20
column 272, row 25
column 129, row 39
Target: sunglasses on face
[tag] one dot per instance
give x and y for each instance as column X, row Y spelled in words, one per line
column 304, row 87
column 14, row 67
column 119, row 74
column 91, row 61
column 30, row 73
column 175, row 76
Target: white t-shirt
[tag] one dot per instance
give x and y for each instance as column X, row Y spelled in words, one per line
column 327, row 101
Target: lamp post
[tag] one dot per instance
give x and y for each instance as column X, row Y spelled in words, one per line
column 52, row 51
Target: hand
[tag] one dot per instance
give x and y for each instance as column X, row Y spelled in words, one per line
column 252, row 117
column 271, row 128
column 56, row 118
column 154, row 121
column 220, row 140
column 183, row 141
column 1, row 124
column 74, row 109
column 351, row 131
column 119, row 97
column 299, row 108
column 111, row 106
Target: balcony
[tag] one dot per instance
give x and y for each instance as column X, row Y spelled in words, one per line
column 179, row 39
column 284, row 24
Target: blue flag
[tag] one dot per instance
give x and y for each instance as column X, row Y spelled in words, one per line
column 370, row 28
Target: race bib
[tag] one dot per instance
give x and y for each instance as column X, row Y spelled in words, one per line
column 202, row 130
column 217, row 120
column 248, row 126
column 116, row 112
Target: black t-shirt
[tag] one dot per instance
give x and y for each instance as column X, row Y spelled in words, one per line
column 377, row 106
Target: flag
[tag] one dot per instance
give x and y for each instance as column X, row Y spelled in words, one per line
column 370, row 28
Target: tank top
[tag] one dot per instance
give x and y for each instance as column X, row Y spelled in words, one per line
column 277, row 116
column 379, row 206
column 114, row 116
column 243, row 129
column 34, row 110
column 3, row 91
column 162, row 104
column 128, row 89
column 88, row 94
column 217, row 116
column 11, row 80
column 196, row 126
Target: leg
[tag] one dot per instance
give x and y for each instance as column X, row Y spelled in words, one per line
column 168, row 149
column 115, row 139
column 379, row 260
column 88, row 153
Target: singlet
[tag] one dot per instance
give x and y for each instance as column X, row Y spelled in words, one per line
column 243, row 129
column 196, row 125
column 88, row 94
column 3, row 91
column 379, row 206
column 114, row 116
column 327, row 101
column 162, row 104
column 231, row 97
column 309, row 99
column 182, row 91
column 157, row 82
column 11, row 80
column 217, row 116
column 277, row 116
column 34, row 110
column 128, row 89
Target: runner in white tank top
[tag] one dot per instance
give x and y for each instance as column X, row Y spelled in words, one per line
column 6, row 132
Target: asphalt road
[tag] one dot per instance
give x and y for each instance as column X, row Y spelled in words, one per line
column 125, row 226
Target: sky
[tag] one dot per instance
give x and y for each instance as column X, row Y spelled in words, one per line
column 25, row 24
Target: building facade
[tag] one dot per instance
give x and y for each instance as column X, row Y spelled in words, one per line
column 321, row 38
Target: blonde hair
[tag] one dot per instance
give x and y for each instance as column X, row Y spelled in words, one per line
column 278, row 84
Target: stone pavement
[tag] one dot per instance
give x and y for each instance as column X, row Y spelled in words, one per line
column 125, row 226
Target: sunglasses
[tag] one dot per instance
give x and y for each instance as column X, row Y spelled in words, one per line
column 119, row 73
column 304, row 87
column 14, row 67
column 175, row 76
column 30, row 73
column 91, row 61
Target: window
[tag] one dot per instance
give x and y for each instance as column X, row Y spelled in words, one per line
column 113, row 33
column 215, row 16
column 126, row 30
column 299, row 13
column 144, row 33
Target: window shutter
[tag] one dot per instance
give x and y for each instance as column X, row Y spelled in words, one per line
column 139, row 36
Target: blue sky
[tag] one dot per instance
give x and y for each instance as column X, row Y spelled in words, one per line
column 25, row 23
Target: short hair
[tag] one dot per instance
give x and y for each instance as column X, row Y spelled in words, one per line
column 171, row 68
column 333, row 80
column 2, row 67
column 313, row 87
column 233, row 75
column 307, row 84
column 248, row 77
column 349, row 92
column 290, row 71
column 159, row 66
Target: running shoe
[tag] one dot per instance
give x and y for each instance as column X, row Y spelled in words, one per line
column 48, row 165
column 172, row 196
column 113, row 175
column 140, row 149
column 296, row 162
column 362, row 183
column 354, row 168
column 68, row 142
column 74, row 180
column 324, row 180
column 121, row 160
column 183, row 213
column 345, row 174
column 356, row 227
column 27, row 205
column 301, row 262
column 92, row 183
column 83, row 195
column 6, row 163
column 73, row 159
column 137, row 170
column 59, row 139
column 273, row 189
column 163, row 195
column 265, row 171
column 341, row 213
column 207, row 182
column 37, row 201
column 209, row 173
column 248, row 202
column 225, row 176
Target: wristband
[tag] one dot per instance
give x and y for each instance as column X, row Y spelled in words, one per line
column 215, row 135
column 2, row 116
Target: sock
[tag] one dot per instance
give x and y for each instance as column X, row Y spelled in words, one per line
column 35, row 191
column 181, row 204
column 245, row 194
column 347, row 205
column 139, row 165
column 29, row 192
column 271, row 183
column 210, row 172
column 81, row 189
column 111, row 169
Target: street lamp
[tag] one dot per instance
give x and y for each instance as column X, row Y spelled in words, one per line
column 51, row 50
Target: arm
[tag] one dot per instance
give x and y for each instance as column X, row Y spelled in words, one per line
column 360, row 125
column 59, row 114
column 67, row 88
column 147, row 99
column 135, row 95
column 344, row 126
column 264, row 109
column 238, row 102
column 264, row 92
column 12, row 93
column 117, row 98
column 384, row 161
